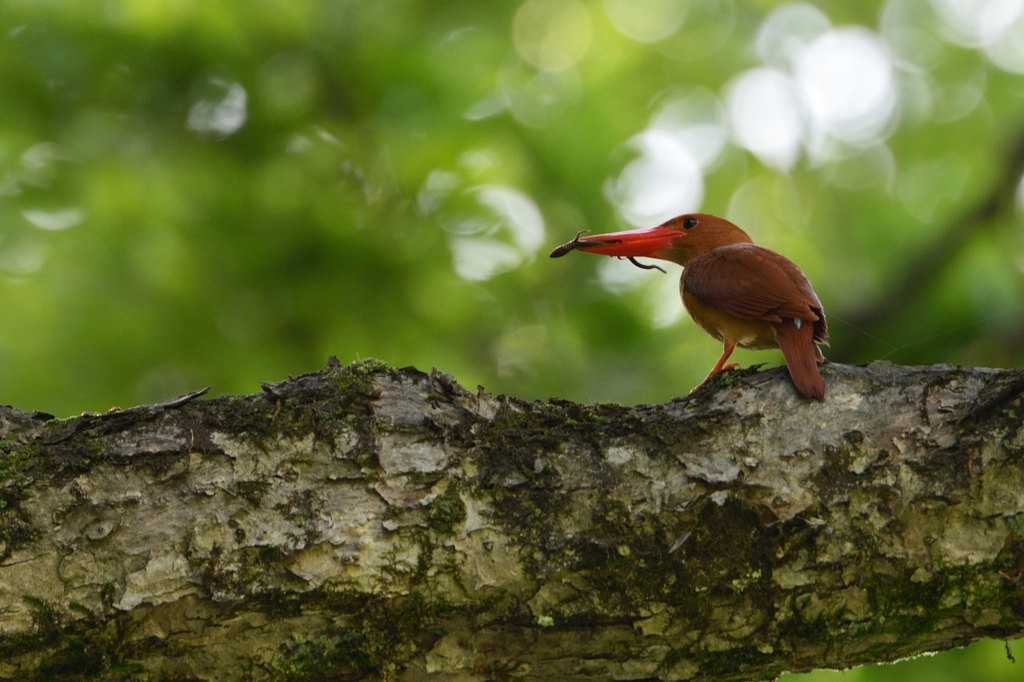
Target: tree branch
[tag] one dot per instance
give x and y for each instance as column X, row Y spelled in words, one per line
column 369, row 522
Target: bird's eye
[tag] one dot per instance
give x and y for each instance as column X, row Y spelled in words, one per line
column 690, row 222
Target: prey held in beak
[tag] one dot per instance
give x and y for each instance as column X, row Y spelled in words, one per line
column 628, row 244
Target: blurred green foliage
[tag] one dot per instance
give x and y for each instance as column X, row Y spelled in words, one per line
column 984, row 661
column 221, row 192
column 175, row 243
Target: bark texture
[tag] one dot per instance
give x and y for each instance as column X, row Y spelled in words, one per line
column 364, row 522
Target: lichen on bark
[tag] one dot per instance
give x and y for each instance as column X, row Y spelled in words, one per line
column 364, row 522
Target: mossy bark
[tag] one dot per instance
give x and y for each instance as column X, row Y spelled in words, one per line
column 364, row 522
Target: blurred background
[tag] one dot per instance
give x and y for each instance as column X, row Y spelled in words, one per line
column 207, row 192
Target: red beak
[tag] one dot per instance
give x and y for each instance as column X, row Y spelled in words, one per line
column 644, row 242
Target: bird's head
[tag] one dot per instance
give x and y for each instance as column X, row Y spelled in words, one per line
column 677, row 240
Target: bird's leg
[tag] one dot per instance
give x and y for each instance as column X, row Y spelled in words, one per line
column 730, row 346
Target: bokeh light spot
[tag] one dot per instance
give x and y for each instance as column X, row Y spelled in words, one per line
column 438, row 185
column 694, row 118
column 765, row 116
column 994, row 26
column 618, row 275
column 787, row 31
column 663, row 182
column 53, row 221
column 551, row 35
column 535, row 98
column 518, row 213
column 685, row 137
column 846, row 78
column 646, row 21
column 24, row 257
column 492, row 228
column 479, row 259
column 224, row 116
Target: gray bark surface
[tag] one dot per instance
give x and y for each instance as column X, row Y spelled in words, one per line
column 364, row 522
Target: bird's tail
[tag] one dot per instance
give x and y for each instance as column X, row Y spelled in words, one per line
column 796, row 339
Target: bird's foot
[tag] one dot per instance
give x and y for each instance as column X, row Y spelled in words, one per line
column 709, row 377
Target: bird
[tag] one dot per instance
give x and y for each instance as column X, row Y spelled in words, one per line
column 737, row 292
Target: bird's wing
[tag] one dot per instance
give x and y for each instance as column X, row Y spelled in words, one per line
column 753, row 283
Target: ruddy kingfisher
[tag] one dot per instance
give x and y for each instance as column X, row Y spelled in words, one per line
column 740, row 293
